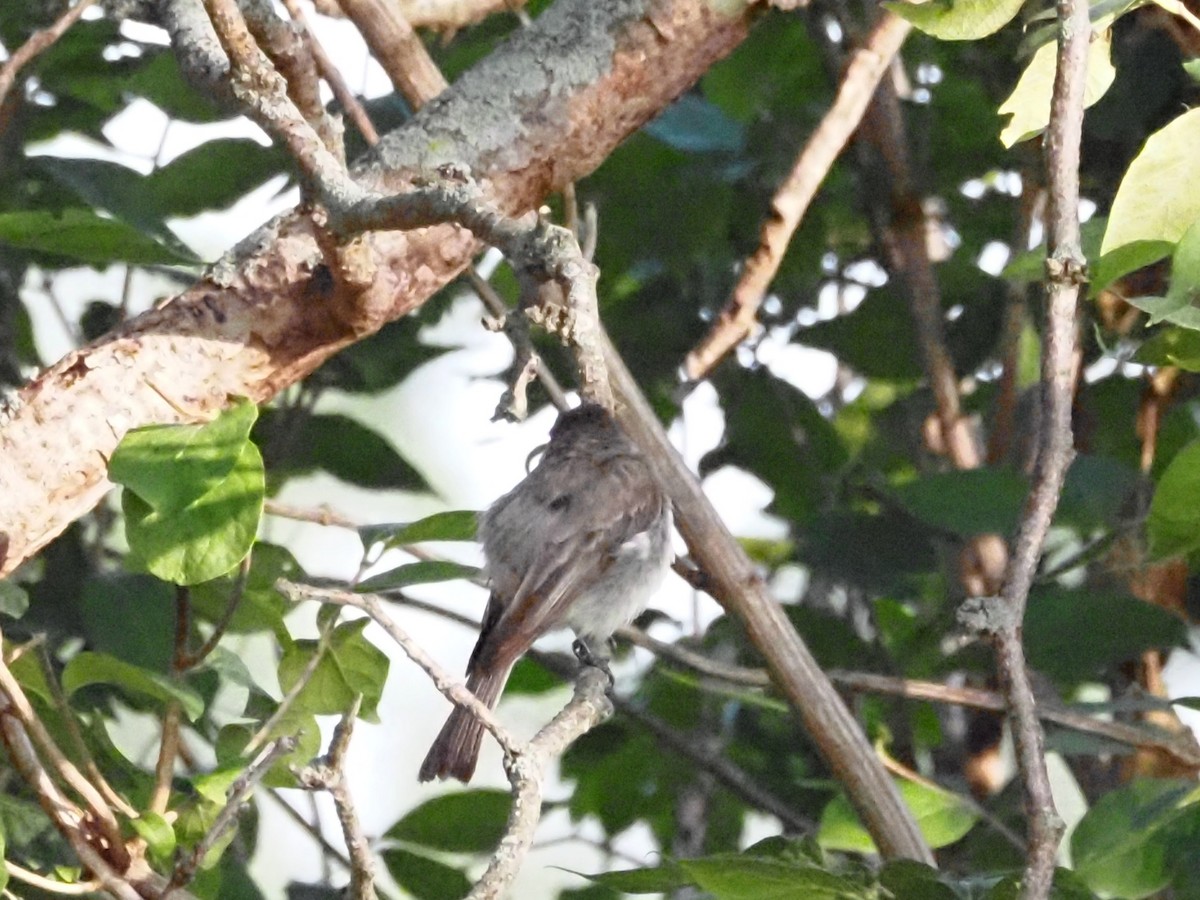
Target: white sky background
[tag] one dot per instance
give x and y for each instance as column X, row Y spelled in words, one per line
column 439, row 419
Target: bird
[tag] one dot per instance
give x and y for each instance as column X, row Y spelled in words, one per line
column 583, row 541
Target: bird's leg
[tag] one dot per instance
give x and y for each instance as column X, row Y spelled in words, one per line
column 587, row 657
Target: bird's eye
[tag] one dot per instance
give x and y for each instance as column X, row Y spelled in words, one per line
column 561, row 502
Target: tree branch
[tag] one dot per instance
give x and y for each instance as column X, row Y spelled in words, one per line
column 38, row 42
column 1002, row 617
column 736, row 321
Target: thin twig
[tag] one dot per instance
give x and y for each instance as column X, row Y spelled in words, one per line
column 18, row 705
column 235, row 799
column 51, row 885
column 38, row 42
column 66, row 817
column 329, row 774
column 1065, row 275
column 735, row 322
column 452, row 688
column 588, row 707
column 398, row 49
column 333, row 77
column 71, row 726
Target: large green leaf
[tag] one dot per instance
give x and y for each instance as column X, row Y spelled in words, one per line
column 349, row 666
column 958, row 20
column 1029, row 103
column 942, row 817
column 464, row 822
column 89, row 668
column 1118, row 847
column 974, row 501
column 1174, row 523
column 204, row 539
column 172, row 466
column 1059, row 647
column 1150, row 208
column 84, row 235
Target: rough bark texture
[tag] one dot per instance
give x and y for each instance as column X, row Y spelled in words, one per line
column 544, row 110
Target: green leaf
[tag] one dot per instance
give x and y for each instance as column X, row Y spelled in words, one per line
column 423, row 572
column 339, row 445
column 464, row 822
column 694, row 125
column 158, row 835
column 942, row 817
column 350, row 665
column 1173, row 526
column 425, row 878
column 457, row 525
column 958, row 20
column 131, row 617
column 1029, row 103
column 14, row 601
column 653, row 880
column 736, row 877
column 1059, row 648
column 171, row 466
column 1118, row 846
column 89, row 668
column 974, row 501
column 1171, row 347
column 261, row 608
column 83, row 235
column 206, row 538
column 1150, row 205
column 228, row 168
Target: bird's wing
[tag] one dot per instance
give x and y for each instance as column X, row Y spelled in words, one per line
column 576, row 536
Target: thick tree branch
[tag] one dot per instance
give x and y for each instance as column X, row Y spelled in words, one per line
column 737, row 585
column 523, row 122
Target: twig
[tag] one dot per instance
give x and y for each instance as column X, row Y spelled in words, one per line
column 314, row 831
column 235, row 799
column 322, row 515
column 393, row 43
column 734, row 323
column 51, row 885
column 1065, row 275
column 13, row 698
column 67, row 818
column 332, row 76
column 524, row 763
column 329, row 775
column 293, row 57
column 452, row 688
column 71, row 726
column 497, row 308
column 310, row 668
column 526, row 772
column 38, row 42
column 737, row 586
column 189, row 659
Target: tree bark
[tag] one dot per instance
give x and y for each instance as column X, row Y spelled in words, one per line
column 543, row 110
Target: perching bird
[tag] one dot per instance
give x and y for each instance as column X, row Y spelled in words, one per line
column 583, row 541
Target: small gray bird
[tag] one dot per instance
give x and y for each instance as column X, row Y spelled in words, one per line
column 583, row 540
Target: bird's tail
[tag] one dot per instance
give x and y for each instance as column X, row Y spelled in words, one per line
column 456, row 750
